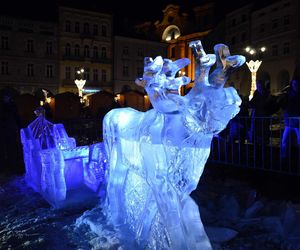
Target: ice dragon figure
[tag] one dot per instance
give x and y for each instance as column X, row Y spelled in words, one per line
column 156, row 158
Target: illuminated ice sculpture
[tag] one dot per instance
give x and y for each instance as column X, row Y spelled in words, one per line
column 55, row 165
column 156, row 158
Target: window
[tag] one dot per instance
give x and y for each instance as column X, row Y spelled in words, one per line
column 103, row 75
column 77, row 50
column 95, row 52
column 86, row 28
column 125, row 70
column 4, row 42
column 68, row 50
column 87, row 73
column 103, row 30
column 95, row 75
column 68, row 26
column 103, row 52
column 95, row 30
column 262, row 27
column 233, row 22
column 286, row 20
column 86, row 51
column 49, row 71
column 68, row 73
column 49, row 48
column 29, row 46
column 77, row 27
column 274, row 23
column 30, row 69
column 286, row 48
column 4, row 68
column 140, row 52
column 125, row 51
column 274, row 50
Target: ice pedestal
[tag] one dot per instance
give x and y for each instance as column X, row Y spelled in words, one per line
column 55, row 166
column 156, row 158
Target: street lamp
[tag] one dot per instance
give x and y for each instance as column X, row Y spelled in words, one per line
column 253, row 67
column 80, row 82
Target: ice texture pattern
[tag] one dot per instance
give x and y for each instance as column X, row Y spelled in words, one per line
column 55, row 165
column 156, row 158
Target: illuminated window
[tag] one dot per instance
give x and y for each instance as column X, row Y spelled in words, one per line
column 171, row 32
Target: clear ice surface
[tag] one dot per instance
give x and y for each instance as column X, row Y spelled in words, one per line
column 149, row 162
column 55, row 166
column 156, row 158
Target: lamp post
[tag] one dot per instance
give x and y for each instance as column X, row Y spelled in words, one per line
column 253, row 67
column 80, row 82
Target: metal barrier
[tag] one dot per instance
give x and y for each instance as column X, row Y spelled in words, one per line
column 260, row 143
column 252, row 143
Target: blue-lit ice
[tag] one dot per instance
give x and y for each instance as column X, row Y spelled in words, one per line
column 156, row 158
column 55, row 166
column 149, row 162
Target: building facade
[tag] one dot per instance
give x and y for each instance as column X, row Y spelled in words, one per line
column 85, row 41
column 28, row 55
column 129, row 54
column 274, row 27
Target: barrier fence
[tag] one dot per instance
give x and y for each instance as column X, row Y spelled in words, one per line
column 260, row 143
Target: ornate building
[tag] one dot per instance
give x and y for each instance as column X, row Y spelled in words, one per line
column 178, row 28
column 274, row 27
column 28, row 55
column 85, row 41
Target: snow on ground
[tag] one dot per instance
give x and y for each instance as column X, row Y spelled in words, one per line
column 235, row 215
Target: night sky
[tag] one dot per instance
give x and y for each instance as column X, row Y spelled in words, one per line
column 142, row 10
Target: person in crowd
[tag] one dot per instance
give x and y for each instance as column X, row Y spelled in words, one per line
column 9, row 134
column 263, row 105
column 290, row 103
column 239, row 124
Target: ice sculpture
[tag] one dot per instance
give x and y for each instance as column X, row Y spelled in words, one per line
column 54, row 165
column 156, row 158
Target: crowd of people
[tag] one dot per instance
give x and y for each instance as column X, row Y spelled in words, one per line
column 253, row 122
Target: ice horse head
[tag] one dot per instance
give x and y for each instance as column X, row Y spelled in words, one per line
column 156, row 158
